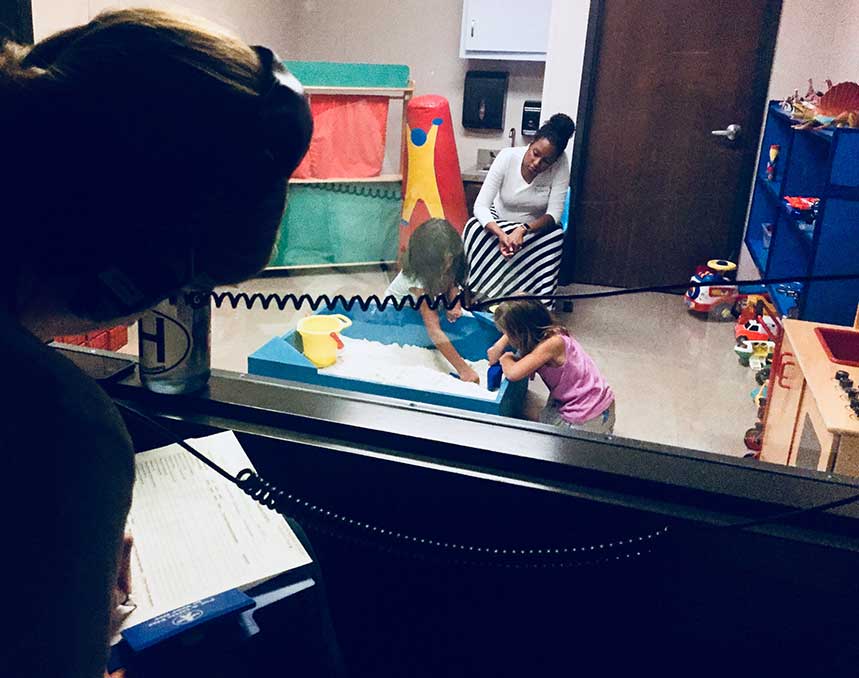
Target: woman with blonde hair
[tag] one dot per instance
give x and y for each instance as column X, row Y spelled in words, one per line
column 143, row 151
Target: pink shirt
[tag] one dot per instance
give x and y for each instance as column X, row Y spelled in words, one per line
column 578, row 387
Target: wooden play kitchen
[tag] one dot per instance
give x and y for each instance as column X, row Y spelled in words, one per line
column 812, row 418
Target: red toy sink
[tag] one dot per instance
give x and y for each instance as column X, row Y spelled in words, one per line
column 841, row 346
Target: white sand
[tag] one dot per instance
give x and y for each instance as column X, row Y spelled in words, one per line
column 423, row 369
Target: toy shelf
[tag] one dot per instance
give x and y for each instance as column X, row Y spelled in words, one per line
column 390, row 92
column 382, row 178
column 346, row 221
column 783, row 301
column 814, row 163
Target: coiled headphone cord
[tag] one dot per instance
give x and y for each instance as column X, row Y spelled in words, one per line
column 344, row 527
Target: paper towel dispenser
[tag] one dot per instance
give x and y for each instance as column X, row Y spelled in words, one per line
column 484, row 100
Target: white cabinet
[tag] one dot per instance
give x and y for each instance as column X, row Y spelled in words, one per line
column 505, row 29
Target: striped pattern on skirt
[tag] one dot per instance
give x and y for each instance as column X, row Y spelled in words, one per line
column 532, row 270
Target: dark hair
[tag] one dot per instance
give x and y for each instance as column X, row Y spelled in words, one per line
column 526, row 323
column 435, row 256
column 146, row 147
column 557, row 131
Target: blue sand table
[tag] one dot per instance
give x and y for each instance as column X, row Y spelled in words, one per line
column 282, row 358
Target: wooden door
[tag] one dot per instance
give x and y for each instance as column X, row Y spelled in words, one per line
column 655, row 193
column 783, row 401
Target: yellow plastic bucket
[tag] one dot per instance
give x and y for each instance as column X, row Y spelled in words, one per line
column 319, row 337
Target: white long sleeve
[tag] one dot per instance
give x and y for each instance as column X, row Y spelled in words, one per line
column 560, row 184
column 515, row 199
column 491, row 186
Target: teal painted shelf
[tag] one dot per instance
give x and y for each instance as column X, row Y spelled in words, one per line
column 333, row 74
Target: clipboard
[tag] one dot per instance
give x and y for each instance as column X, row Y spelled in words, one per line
column 102, row 368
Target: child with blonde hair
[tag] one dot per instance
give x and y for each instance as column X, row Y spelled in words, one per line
column 579, row 396
column 434, row 264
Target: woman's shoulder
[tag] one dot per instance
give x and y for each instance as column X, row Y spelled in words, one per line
column 57, row 403
column 508, row 154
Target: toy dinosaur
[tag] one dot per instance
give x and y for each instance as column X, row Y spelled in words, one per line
column 838, row 106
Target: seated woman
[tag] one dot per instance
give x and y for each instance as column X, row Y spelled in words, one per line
column 513, row 243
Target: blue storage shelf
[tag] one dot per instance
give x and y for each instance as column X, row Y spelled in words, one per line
column 818, row 163
column 784, row 303
column 771, row 188
column 825, row 135
column 805, row 236
column 759, row 253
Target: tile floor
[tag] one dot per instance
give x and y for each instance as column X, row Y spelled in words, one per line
column 676, row 378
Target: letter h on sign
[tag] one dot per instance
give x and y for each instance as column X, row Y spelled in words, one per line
column 158, row 338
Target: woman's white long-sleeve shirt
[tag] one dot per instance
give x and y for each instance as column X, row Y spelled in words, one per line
column 514, row 198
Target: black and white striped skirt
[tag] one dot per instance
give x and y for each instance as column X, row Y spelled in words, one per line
column 532, row 270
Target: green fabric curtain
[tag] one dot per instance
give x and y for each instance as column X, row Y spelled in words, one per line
column 340, row 223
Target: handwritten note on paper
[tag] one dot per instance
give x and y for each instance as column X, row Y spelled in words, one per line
column 196, row 534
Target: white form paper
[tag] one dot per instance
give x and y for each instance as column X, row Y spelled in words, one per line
column 197, row 534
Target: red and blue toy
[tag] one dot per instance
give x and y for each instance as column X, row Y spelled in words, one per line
column 713, row 291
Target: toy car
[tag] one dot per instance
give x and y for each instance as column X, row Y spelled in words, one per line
column 755, row 354
column 761, row 328
column 759, row 394
column 754, row 440
column 751, row 305
column 716, row 294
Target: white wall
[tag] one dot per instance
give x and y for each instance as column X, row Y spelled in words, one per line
column 50, row 16
column 268, row 23
column 815, row 44
column 845, row 58
column 565, row 60
column 811, row 44
column 423, row 35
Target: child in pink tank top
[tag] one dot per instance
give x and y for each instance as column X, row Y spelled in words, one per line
column 579, row 397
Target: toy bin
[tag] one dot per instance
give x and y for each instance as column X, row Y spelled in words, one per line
column 282, row 357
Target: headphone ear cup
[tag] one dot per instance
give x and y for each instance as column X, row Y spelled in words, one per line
column 107, row 295
column 117, row 292
column 287, row 126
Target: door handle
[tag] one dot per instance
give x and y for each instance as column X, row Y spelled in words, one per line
column 782, row 364
column 731, row 132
